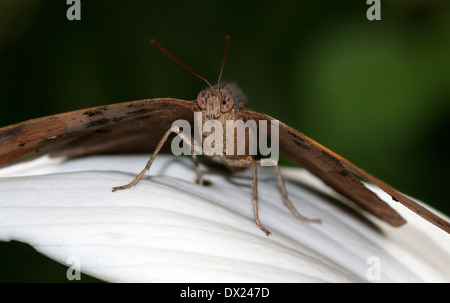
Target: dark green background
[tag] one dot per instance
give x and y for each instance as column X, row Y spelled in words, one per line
column 376, row 92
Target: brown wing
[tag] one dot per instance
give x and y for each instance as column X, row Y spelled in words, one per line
column 134, row 126
column 339, row 173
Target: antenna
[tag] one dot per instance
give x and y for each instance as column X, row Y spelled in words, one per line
column 227, row 45
column 152, row 41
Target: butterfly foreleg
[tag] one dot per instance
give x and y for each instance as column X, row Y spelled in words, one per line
column 173, row 129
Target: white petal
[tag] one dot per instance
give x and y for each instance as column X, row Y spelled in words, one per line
column 167, row 228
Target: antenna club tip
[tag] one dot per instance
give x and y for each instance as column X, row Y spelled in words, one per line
column 152, row 41
column 227, row 37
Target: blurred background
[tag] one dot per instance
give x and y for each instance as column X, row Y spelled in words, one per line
column 375, row 92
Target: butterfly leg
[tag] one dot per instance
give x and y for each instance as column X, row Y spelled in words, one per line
column 247, row 162
column 197, row 166
column 255, row 196
column 149, row 163
column 195, row 147
column 288, row 202
column 173, row 129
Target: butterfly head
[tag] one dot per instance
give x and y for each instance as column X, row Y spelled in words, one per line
column 215, row 102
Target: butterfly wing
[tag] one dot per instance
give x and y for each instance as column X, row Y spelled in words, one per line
column 340, row 174
column 135, row 126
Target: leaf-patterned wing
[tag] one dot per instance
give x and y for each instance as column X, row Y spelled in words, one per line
column 340, row 174
column 135, row 126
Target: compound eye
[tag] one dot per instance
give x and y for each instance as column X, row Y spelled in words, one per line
column 227, row 104
column 201, row 99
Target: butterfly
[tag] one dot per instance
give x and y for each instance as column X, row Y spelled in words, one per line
column 145, row 125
